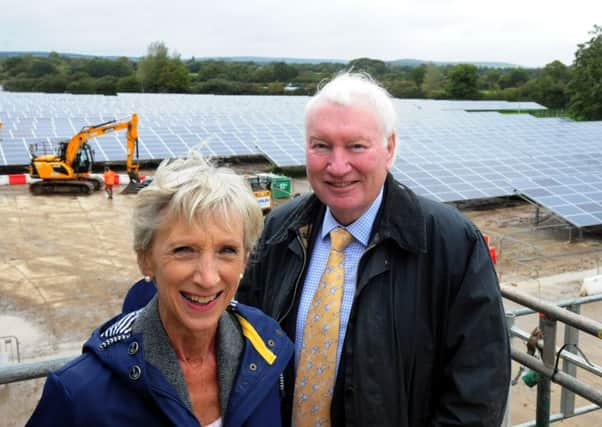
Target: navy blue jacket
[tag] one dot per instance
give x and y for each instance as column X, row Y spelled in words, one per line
column 110, row 384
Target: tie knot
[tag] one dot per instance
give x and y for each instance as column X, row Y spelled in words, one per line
column 339, row 239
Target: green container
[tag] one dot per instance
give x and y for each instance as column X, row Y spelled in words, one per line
column 281, row 187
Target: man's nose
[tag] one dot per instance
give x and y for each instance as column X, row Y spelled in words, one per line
column 338, row 163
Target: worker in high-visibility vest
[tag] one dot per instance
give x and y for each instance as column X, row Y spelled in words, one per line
column 109, row 177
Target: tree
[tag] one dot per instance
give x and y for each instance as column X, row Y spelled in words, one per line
column 403, row 88
column 54, row 83
column 218, row 86
column 556, row 70
column 128, row 84
column 463, row 80
column 490, row 79
column 432, row 85
column 158, row 72
column 283, row 72
column 173, row 77
column 82, row 85
column 514, row 78
column 17, row 65
column 585, row 86
column 99, row 67
column 417, row 74
column 41, row 67
column 106, row 85
column 549, row 88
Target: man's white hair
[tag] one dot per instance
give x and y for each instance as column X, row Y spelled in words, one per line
column 359, row 90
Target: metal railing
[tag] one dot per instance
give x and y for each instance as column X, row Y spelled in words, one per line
column 548, row 366
column 9, row 349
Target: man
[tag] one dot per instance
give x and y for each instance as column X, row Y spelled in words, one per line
column 109, row 178
column 420, row 334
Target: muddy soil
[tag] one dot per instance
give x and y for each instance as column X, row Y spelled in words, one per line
column 66, row 263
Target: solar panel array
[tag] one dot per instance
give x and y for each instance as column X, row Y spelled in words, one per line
column 575, row 197
column 444, row 152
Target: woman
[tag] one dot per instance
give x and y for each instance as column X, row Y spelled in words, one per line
column 191, row 356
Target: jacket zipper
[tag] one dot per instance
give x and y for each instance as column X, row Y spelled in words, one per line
column 290, row 307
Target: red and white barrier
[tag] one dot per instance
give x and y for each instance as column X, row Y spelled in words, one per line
column 24, row 178
column 15, row 179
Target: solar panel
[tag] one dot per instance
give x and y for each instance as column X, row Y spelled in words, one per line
column 575, row 198
column 444, row 152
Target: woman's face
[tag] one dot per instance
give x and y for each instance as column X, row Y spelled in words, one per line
column 197, row 269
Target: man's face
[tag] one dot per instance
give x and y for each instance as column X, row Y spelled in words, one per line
column 346, row 157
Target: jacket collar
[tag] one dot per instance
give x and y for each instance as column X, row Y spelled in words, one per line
column 265, row 351
column 307, row 210
column 400, row 219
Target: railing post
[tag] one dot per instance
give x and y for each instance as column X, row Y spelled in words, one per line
column 548, row 328
column 571, row 336
column 510, row 317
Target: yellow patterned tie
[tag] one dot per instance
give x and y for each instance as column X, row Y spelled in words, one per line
column 315, row 378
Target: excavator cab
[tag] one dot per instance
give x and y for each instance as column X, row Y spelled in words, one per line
column 84, row 159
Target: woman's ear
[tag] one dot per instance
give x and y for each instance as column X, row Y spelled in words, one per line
column 144, row 264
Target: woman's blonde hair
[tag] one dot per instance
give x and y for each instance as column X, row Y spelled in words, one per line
column 189, row 188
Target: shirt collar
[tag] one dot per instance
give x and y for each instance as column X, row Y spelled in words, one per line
column 360, row 229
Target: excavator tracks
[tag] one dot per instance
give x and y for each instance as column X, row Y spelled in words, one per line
column 79, row 187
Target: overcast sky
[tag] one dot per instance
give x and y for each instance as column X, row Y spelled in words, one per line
column 522, row 32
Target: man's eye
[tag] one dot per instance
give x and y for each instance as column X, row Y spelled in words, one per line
column 319, row 146
column 358, row 147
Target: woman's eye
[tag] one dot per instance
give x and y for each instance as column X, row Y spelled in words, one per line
column 229, row 250
column 183, row 250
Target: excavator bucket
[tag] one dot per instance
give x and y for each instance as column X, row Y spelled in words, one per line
column 135, row 185
column 132, row 188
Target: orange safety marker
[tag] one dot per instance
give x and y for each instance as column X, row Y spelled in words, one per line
column 493, row 254
column 486, row 237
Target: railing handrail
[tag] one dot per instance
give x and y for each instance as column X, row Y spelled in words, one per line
column 12, row 373
column 582, row 323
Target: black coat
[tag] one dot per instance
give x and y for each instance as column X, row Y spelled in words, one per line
column 426, row 343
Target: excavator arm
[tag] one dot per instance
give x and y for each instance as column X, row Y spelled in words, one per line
column 132, row 148
column 89, row 132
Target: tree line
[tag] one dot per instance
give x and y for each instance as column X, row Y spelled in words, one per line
column 575, row 88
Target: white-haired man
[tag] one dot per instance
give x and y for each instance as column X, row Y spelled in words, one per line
column 391, row 298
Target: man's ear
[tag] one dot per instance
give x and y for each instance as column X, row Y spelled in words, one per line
column 391, row 146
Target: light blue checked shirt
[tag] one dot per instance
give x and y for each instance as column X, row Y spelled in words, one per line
column 360, row 230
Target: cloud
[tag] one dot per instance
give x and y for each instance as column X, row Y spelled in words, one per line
column 530, row 33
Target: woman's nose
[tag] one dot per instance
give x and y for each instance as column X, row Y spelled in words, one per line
column 206, row 273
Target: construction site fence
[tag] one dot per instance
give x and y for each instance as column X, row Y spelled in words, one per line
column 547, row 367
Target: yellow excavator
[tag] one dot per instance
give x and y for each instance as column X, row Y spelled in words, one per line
column 69, row 169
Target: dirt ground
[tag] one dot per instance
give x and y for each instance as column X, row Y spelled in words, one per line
column 66, row 263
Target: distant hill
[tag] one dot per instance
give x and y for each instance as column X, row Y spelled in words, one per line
column 66, row 54
column 267, row 59
column 483, row 64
